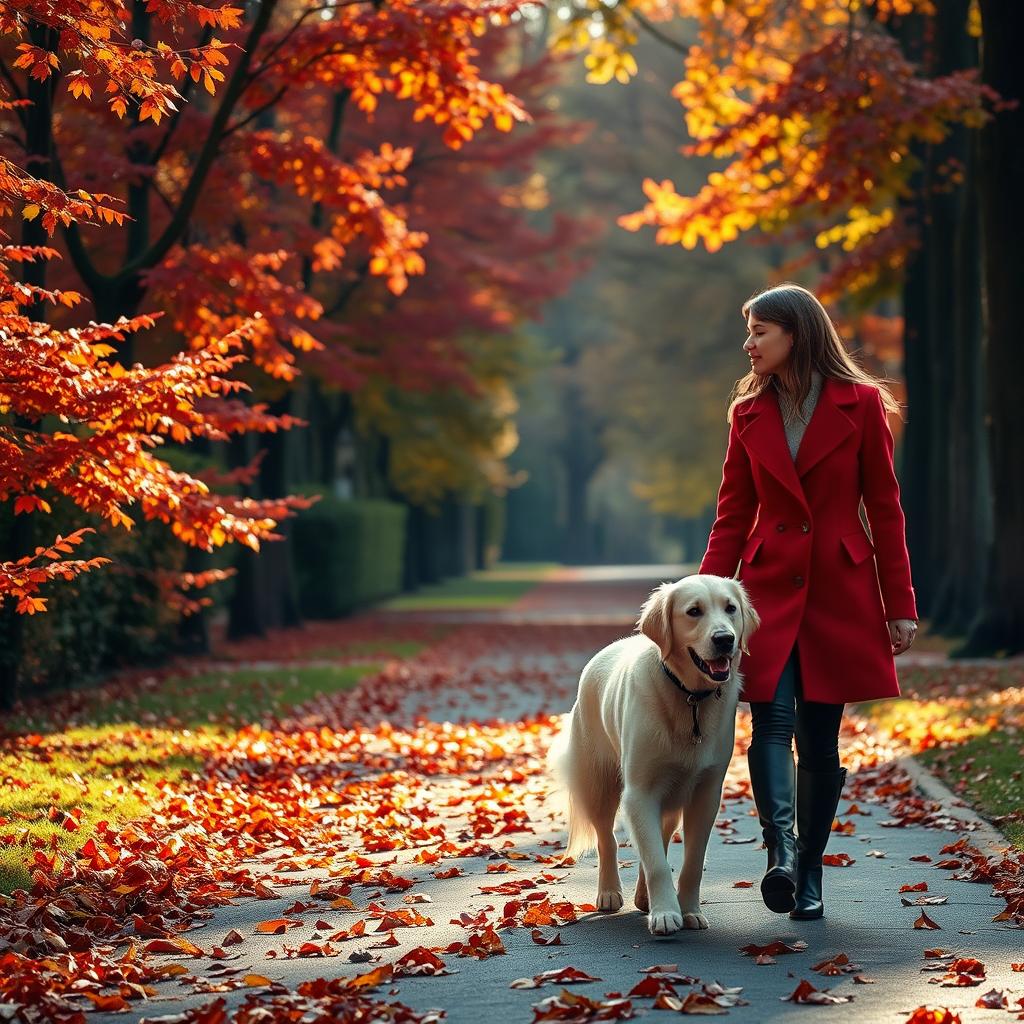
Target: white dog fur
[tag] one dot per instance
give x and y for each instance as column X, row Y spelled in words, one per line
column 629, row 739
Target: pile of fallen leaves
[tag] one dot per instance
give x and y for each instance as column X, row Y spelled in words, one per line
column 331, row 789
column 341, row 788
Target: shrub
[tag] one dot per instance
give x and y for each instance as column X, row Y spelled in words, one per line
column 348, row 554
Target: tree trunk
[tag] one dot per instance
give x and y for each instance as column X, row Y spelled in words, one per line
column 481, row 523
column 265, row 592
column 581, row 458
column 20, row 530
column 955, row 312
column 999, row 625
column 917, row 366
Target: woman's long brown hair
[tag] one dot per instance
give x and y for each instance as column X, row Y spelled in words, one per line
column 816, row 346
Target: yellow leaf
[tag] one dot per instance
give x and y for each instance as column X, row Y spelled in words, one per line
column 30, row 212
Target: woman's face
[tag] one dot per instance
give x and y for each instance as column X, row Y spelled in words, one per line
column 768, row 346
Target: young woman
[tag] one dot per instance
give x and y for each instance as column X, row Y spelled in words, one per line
column 808, row 439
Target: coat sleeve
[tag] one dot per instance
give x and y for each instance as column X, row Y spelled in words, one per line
column 881, row 493
column 737, row 507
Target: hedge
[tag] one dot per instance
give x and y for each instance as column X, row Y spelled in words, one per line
column 347, row 554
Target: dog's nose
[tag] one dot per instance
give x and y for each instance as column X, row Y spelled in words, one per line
column 723, row 642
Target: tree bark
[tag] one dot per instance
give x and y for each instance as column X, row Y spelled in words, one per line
column 265, row 595
column 958, row 478
column 21, row 529
column 915, row 470
column 999, row 625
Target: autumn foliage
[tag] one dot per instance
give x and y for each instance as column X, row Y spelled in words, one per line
column 817, row 115
column 226, row 192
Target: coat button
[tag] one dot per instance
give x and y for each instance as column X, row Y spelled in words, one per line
column 780, row 527
column 798, row 581
column 805, row 527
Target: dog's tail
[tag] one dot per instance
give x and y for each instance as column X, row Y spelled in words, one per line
column 582, row 837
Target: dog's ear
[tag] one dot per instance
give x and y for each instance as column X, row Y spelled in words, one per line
column 749, row 619
column 655, row 619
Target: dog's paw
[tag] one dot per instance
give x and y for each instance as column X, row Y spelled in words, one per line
column 609, row 900
column 695, row 920
column 664, row 922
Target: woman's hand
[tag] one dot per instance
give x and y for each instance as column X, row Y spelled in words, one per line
column 902, row 632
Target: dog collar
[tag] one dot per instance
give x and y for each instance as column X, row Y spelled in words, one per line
column 692, row 698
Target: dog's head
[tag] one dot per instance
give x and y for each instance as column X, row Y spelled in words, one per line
column 705, row 620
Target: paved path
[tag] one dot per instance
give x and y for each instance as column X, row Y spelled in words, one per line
column 515, row 672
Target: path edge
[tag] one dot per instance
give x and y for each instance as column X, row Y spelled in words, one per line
column 935, row 789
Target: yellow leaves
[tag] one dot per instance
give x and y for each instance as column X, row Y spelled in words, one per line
column 860, row 224
column 31, row 211
column 92, row 30
column 974, row 20
column 606, row 62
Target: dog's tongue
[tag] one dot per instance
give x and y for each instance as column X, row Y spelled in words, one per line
column 719, row 665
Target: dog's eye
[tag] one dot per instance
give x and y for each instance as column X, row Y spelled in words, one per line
column 730, row 608
column 695, row 612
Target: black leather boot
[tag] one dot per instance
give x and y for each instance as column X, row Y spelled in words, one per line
column 772, row 782
column 817, row 797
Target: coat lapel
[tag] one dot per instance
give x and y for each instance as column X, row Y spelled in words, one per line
column 764, row 436
column 829, row 425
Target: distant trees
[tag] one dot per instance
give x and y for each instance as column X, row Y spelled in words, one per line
column 333, row 192
column 852, row 131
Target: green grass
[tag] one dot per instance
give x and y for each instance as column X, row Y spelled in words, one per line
column 113, row 763
column 235, row 696
column 364, row 648
column 985, row 772
column 965, row 724
column 490, row 588
column 91, row 773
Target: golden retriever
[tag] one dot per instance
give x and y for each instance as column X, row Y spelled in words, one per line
column 653, row 728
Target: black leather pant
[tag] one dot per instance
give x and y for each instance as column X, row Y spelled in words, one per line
column 814, row 724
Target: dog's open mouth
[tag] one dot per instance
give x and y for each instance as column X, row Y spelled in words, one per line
column 716, row 669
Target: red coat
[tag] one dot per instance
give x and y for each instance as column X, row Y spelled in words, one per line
column 803, row 553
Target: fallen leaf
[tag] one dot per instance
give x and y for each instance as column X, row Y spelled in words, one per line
column 993, row 1000
column 805, row 992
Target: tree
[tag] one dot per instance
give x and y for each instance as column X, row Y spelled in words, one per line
column 999, row 625
column 241, row 198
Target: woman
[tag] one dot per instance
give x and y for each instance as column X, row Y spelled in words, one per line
column 808, row 439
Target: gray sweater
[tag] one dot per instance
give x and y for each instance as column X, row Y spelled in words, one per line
column 796, row 422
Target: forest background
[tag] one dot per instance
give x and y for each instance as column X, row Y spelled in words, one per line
column 370, row 288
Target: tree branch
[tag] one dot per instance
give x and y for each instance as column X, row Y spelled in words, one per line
column 653, row 30
column 267, row 64
column 18, row 94
column 235, row 87
column 186, row 90
column 346, row 293
column 80, row 257
column 252, row 115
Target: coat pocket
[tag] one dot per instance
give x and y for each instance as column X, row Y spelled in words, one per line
column 750, row 549
column 857, row 545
